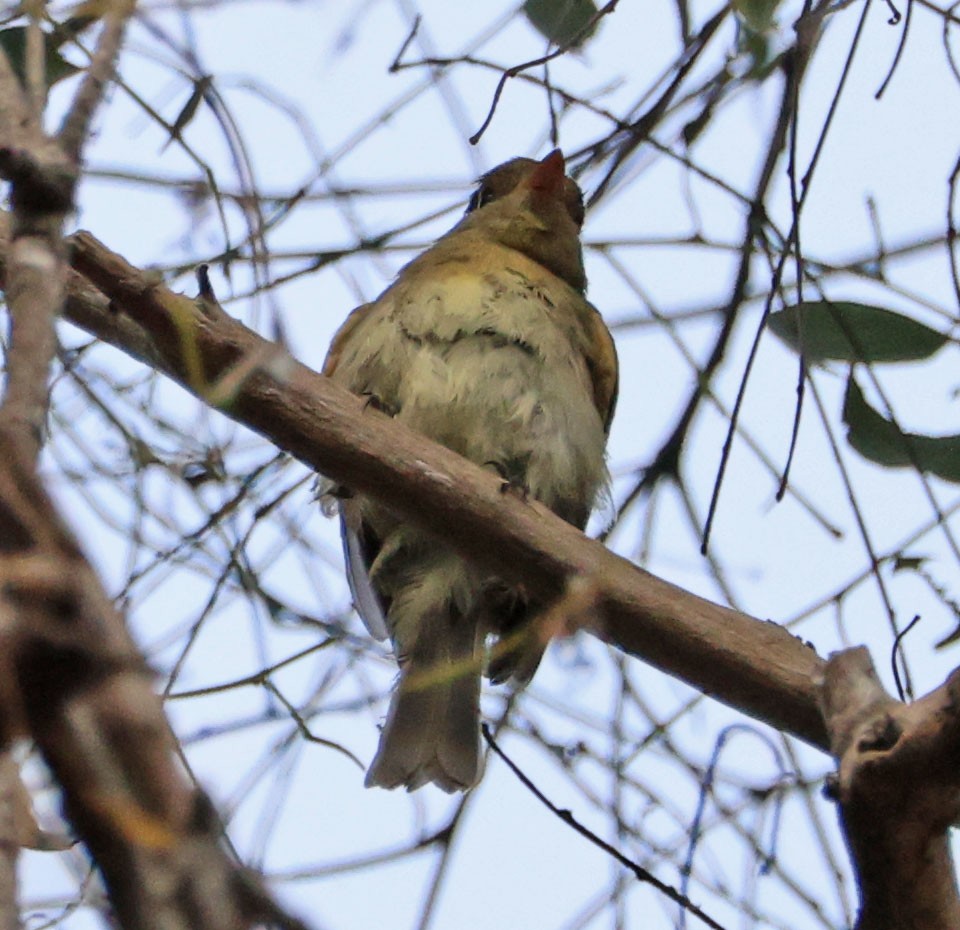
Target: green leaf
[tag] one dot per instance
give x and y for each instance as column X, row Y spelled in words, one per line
column 13, row 41
column 757, row 14
column 201, row 87
column 563, row 22
column 756, row 46
column 880, row 440
column 848, row 332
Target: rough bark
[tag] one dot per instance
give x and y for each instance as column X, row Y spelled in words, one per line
column 71, row 678
column 747, row 663
column 898, row 792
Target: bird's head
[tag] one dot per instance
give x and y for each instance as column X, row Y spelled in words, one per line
column 534, row 208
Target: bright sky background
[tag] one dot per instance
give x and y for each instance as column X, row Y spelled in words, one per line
column 515, row 865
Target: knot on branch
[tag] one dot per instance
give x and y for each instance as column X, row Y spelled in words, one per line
column 38, row 186
column 898, row 791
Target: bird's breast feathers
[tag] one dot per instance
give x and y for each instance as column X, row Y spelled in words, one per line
column 492, row 359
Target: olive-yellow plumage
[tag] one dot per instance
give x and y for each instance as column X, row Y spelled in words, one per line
column 484, row 343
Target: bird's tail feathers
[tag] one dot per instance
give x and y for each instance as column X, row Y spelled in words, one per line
column 432, row 729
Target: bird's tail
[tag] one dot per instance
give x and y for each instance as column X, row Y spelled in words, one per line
column 432, row 732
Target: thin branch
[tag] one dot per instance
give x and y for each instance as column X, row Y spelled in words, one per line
column 893, row 21
column 35, row 66
column 807, row 27
column 640, row 873
column 605, row 10
column 75, row 128
column 641, row 128
column 9, row 845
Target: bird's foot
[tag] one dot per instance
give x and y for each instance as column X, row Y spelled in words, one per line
column 378, row 403
column 509, row 484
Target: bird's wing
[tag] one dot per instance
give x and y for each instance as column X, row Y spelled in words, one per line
column 601, row 359
column 354, row 534
column 343, row 336
column 358, row 557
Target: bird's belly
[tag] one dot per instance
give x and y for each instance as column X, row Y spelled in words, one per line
column 528, row 413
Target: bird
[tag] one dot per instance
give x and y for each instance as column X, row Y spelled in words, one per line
column 486, row 344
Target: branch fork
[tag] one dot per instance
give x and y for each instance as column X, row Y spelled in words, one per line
column 898, row 793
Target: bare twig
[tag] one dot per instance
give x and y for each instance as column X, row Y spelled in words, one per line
column 640, row 873
column 35, row 68
column 73, row 680
column 9, row 845
column 75, row 128
column 605, row 10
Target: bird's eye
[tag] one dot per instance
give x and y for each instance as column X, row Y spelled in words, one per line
column 481, row 197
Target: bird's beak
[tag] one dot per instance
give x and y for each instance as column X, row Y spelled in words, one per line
column 550, row 175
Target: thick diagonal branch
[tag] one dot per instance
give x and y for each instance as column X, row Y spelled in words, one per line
column 754, row 666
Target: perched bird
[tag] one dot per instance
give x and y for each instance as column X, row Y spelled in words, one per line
column 486, row 344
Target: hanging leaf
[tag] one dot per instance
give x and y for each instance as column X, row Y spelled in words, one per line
column 758, row 49
column 563, row 22
column 880, row 440
column 848, row 332
column 13, row 42
column 201, row 87
column 756, row 14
